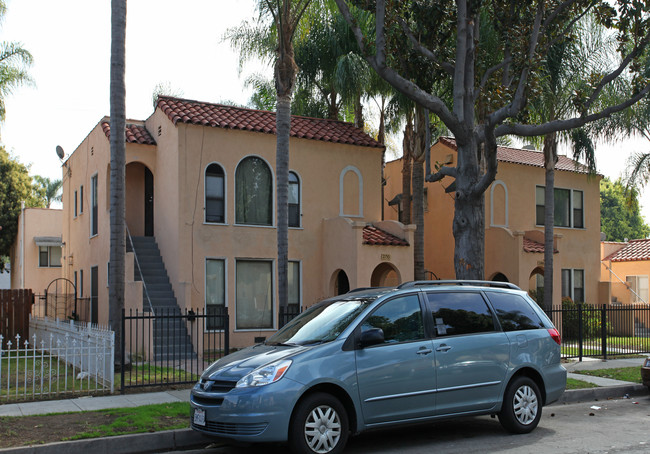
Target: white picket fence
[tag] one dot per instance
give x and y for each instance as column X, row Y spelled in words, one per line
column 60, row 358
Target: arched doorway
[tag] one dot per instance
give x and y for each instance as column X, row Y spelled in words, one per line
column 140, row 202
column 385, row 275
column 341, row 283
column 500, row 277
column 536, row 285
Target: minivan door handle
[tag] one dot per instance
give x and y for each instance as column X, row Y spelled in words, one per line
column 424, row 351
column 443, row 348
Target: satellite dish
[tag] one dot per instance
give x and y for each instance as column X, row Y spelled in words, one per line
column 59, row 152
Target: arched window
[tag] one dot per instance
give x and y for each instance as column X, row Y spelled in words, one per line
column 294, row 200
column 253, row 192
column 214, row 194
column 351, row 192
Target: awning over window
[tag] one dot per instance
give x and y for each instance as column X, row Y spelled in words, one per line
column 48, row 241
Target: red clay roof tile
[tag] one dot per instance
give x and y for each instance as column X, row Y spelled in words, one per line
column 377, row 237
column 534, row 246
column 134, row 133
column 527, row 157
column 634, row 250
column 230, row 117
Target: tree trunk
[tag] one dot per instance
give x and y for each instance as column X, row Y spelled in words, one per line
column 407, row 157
column 550, row 158
column 118, row 162
column 419, row 154
column 283, row 125
column 469, row 216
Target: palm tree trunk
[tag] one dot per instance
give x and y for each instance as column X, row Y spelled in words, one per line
column 550, row 158
column 419, row 154
column 283, row 126
column 407, row 157
column 118, row 162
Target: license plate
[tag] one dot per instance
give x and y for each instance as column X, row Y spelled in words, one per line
column 199, row 417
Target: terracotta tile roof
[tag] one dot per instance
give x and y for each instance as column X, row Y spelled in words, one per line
column 134, row 133
column 376, row 237
column 634, row 250
column 534, row 246
column 526, row 157
column 230, row 117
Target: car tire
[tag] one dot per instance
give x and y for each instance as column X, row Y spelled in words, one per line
column 319, row 426
column 522, row 406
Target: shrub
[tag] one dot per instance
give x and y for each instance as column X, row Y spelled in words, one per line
column 591, row 320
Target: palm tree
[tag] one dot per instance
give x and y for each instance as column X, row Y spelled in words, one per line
column 14, row 63
column 118, row 163
column 50, row 189
column 568, row 68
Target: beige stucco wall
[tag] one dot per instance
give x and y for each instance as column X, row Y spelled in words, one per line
column 505, row 228
column 82, row 251
column 25, row 269
column 334, row 179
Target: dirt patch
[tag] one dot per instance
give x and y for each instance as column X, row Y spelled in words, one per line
column 35, row 430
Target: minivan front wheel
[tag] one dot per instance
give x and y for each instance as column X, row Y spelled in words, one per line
column 319, row 425
column 522, row 406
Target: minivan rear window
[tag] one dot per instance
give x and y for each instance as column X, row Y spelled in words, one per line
column 514, row 312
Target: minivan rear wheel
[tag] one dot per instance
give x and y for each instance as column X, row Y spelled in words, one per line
column 522, row 406
column 319, row 426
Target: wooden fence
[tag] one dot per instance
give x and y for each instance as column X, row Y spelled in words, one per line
column 15, row 307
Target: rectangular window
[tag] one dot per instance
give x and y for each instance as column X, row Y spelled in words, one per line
column 108, row 274
column 568, row 210
column 81, row 284
column 215, row 293
column 638, row 288
column 93, row 203
column 294, row 285
column 49, row 256
column 254, row 294
column 81, row 199
column 94, row 294
column 573, row 284
column 75, row 204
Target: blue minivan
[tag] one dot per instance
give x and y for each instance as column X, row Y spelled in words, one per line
column 375, row 358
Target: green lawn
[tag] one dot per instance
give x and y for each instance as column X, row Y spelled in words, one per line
column 145, row 374
column 631, row 374
column 572, row 383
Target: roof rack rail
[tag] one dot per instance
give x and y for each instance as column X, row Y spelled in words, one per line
column 497, row 284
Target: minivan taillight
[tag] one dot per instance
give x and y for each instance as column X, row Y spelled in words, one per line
column 555, row 335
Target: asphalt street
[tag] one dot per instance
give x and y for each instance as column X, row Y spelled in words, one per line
column 611, row 426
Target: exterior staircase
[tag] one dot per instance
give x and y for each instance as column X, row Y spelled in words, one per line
column 171, row 341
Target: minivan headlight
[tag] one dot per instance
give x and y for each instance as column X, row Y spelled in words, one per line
column 265, row 375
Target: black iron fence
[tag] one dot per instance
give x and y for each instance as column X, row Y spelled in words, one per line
column 287, row 314
column 171, row 347
column 602, row 331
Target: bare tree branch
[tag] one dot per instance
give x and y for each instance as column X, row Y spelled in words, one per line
column 425, row 52
column 571, row 123
column 441, row 173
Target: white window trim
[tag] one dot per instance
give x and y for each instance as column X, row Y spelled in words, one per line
column 274, row 320
column 342, row 195
column 49, row 257
column 505, row 189
column 225, row 195
column 636, row 294
column 205, row 293
column 273, row 192
column 299, row 281
column 571, row 191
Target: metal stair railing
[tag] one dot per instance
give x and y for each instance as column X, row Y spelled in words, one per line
column 137, row 264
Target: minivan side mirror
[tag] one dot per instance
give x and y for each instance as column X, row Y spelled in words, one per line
column 373, row 336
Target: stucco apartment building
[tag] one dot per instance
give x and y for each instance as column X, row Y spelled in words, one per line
column 625, row 270
column 514, row 222
column 200, row 181
column 36, row 252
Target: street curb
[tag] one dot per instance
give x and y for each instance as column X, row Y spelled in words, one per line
column 602, row 393
column 187, row 438
column 150, row 442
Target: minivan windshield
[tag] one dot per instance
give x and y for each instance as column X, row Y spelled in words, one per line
column 321, row 323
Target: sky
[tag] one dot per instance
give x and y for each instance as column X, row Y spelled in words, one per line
column 181, row 47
